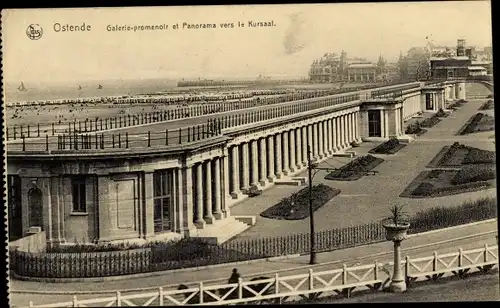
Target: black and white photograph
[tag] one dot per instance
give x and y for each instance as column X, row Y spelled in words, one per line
column 249, row 154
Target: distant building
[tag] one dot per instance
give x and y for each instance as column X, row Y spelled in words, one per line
column 453, row 67
column 463, row 64
column 334, row 68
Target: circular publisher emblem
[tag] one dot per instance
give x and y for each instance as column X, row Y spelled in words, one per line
column 34, row 31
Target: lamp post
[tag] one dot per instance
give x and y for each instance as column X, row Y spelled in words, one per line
column 312, row 166
column 312, row 259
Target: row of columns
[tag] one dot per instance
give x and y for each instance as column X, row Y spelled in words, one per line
column 260, row 161
column 207, row 193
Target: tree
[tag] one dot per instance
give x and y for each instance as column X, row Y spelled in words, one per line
column 403, row 66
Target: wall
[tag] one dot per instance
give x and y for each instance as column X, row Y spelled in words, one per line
column 32, row 243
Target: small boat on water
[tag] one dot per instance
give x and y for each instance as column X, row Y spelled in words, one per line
column 99, row 87
column 22, row 88
column 79, row 87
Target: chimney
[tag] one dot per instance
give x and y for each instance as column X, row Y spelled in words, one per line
column 460, row 47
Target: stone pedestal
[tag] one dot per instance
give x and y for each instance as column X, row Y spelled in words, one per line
column 397, row 233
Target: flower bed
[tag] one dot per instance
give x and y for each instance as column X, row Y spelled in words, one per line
column 441, row 113
column 437, row 183
column 479, row 122
column 478, row 156
column 391, row 146
column 487, row 105
column 430, row 122
column 459, row 154
column 476, row 173
column 355, row 169
column 415, row 129
column 297, row 205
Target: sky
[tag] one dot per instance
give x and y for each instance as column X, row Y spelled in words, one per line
column 301, row 34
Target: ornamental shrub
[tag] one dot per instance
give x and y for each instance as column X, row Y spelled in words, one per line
column 475, row 173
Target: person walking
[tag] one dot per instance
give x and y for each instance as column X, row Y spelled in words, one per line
column 235, row 276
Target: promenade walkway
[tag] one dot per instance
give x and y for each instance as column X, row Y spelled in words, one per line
column 446, row 240
column 370, row 197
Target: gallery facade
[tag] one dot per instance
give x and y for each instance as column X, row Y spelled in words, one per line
column 187, row 190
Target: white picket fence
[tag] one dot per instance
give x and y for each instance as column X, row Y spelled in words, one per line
column 309, row 285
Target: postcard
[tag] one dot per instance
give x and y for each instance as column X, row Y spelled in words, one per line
column 244, row 154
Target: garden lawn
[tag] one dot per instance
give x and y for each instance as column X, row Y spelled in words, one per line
column 296, row 206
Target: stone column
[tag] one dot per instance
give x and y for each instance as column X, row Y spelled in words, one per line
column 329, row 137
column 315, row 141
column 235, row 161
column 334, row 135
column 226, row 195
column 303, row 133
column 351, row 127
column 209, row 217
column 178, row 213
column 310, row 140
column 187, row 201
column 386, row 121
column 245, row 183
column 199, row 222
column 263, row 162
column 341, row 131
column 321, row 140
column 217, row 209
column 356, row 127
column 254, row 181
column 286, row 154
column 270, row 159
column 298, row 142
column 279, row 173
column 293, row 149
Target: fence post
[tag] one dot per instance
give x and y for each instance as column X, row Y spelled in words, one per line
column 160, row 295
column 435, row 261
column 47, row 142
column 24, row 144
column 240, row 288
column 485, row 253
column 118, row 299
column 126, row 140
column 149, row 138
column 407, row 268
column 344, row 274
column 460, row 257
column 38, row 129
column 311, row 279
column 75, row 301
column 166, row 136
column 180, row 135
column 201, row 292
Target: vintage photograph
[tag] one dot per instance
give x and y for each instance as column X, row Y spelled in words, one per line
column 250, row 154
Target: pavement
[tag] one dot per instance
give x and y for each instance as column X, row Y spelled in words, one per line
column 446, row 240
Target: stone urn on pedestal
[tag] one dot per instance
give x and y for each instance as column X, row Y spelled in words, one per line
column 396, row 227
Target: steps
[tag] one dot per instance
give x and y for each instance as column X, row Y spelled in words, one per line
column 292, row 181
column 223, row 230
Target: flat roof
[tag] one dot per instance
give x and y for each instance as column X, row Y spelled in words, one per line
column 361, row 65
column 476, row 68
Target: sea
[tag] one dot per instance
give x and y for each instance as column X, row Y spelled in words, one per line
column 47, row 91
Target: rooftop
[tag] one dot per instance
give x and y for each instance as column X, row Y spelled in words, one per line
column 450, row 58
column 362, row 65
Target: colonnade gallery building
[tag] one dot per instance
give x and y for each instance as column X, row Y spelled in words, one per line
column 166, row 192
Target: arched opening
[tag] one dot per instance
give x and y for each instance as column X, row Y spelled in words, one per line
column 35, row 203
